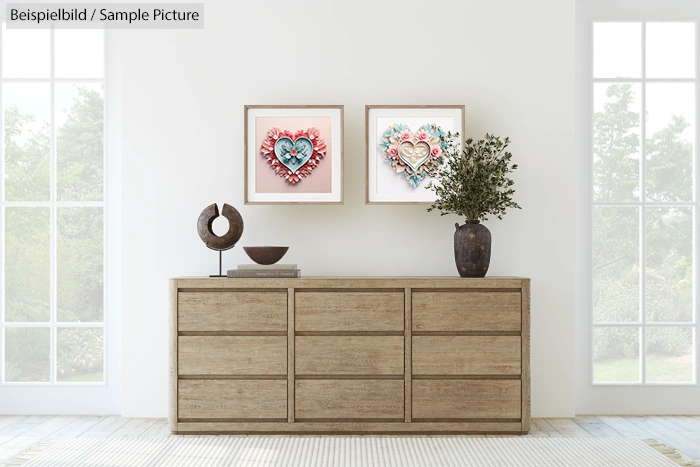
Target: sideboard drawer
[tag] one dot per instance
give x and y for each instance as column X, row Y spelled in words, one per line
column 349, row 355
column 349, row 311
column 466, row 311
column 239, row 399
column 349, row 399
column 232, row 311
column 466, row 355
column 232, row 355
column 455, row 399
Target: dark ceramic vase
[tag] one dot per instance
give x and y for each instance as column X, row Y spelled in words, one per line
column 472, row 249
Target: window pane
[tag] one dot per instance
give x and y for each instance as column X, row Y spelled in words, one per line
column 669, row 355
column 79, row 142
column 27, row 354
column 670, row 140
column 669, row 264
column 27, row 262
column 670, row 50
column 26, row 141
column 617, row 50
column 79, row 53
column 80, row 265
column 616, row 136
column 616, row 355
column 26, row 53
column 616, row 264
column 80, row 355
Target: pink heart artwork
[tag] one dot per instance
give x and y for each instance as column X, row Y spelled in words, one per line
column 293, row 155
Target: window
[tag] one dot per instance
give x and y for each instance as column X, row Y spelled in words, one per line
column 644, row 203
column 52, row 187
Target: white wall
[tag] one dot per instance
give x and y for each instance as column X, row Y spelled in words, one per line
column 510, row 63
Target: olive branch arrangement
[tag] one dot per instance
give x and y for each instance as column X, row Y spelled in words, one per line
column 473, row 181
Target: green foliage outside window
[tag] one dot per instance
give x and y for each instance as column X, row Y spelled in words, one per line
column 79, row 240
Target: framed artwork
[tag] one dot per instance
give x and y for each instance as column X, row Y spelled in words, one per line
column 402, row 144
column 293, row 154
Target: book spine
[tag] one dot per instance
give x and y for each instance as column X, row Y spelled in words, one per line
column 266, row 267
column 257, row 273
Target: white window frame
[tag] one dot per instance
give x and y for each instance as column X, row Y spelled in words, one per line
column 75, row 397
column 642, row 397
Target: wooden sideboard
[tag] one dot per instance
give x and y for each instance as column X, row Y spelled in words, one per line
column 350, row 355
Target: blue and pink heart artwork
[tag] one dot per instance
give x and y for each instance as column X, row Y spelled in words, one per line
column 293, row 155
column 410, row 154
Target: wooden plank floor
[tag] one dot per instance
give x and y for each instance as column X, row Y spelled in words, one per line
column 18, row 433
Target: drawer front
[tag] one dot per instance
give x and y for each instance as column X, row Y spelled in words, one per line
column 232, row 311
column 349, row 399
column 232, row 355
column 349, row 311
column 474, row 399
column 466, row 311
column 349, row 355
column 466, row 355
column 211, row 399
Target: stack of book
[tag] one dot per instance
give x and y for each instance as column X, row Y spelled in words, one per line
column 261, row 270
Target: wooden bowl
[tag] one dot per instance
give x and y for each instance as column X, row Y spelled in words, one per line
column 265, row 254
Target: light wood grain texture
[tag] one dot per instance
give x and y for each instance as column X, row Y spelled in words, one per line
column 525, row 355
column 349, row 399
column 466, row 355
column 408, row 352
column 350, row 427
column 347, row 355
column 232, row 311
column 466, row 399
column 351, row 283
column 6, row 420
column 667, row 434
column 232, row 399
column 540, row 428
column 79, row 426
column 568, row 428
column 466, row 311
column 597, row 428
column 232, row 355
column 349, row 311
column 41, row 429
column 291, row 303
column 172, row 377
column 160, row 429
column 106, row 427
column 134, row 428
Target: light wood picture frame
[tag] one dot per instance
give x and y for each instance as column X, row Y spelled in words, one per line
column 293, row 154
column 399, row 141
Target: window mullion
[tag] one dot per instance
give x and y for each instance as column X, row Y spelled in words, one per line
column 643, row 212
column 2, row 223
column 53, row 215
column 696, row 233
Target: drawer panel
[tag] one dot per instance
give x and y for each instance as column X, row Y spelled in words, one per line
column 466, row 311
column 349, row 399
column 454, row 399
column 232, row 311
column 349, row 355
column 232, row 355
column 466, row 355
column 240, row 399
column 349, row 311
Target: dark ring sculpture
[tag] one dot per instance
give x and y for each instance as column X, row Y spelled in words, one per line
column 226, row 241
column 229, row 239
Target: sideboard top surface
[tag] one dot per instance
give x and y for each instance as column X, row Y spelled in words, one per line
column 351, row 282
